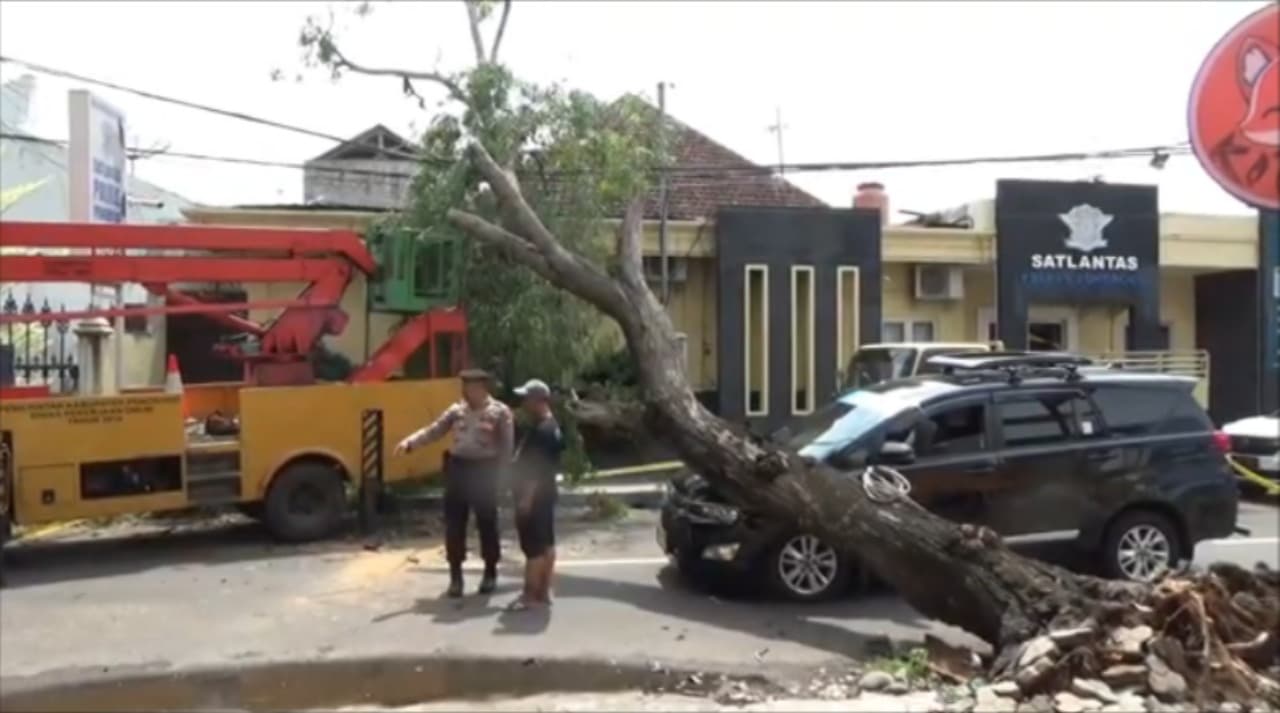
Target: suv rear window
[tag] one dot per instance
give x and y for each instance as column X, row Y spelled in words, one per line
column 1145, row 411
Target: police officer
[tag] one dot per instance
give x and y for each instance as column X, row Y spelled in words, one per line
column 482, row 445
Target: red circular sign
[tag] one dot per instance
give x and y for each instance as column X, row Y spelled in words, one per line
column 1234, row 112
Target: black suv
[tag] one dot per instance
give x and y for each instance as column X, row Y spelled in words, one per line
column 1125, row 466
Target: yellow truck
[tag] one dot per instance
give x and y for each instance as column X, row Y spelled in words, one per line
column 282, row 444
column 298, row 454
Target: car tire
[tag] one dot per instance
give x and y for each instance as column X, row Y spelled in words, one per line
column 803, row 568
column 1140, row 545
column 306, row 502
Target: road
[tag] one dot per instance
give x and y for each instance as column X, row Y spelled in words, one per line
column 212, row 597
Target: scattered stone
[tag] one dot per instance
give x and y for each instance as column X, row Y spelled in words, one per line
column 833, row 692
column 1036, row 704
column 1031, row 677
column 1092, row 688
column 954, row 663
column 960, row 705
column 1121, row 675
column 1129, row 702
column 875, row 681
column 1167, row 684
column 1071, row 638
column 1067, row 702
column 987, row 701
column 1230, row 707
column 898, row 688
column 1129, row 640
column 1008, row 689
column 1036, row 649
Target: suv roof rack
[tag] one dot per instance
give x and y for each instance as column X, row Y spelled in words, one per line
column 1012, row 366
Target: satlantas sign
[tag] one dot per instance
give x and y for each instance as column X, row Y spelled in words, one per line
column 1086, row 227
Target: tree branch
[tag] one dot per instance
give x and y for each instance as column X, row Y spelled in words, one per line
column 574, row 274
column 502, row 28
column 454, row 89
column 496, row 235
column 473, row 20
column 631, row 243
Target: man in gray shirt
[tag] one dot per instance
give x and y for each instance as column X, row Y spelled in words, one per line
column 482, row 444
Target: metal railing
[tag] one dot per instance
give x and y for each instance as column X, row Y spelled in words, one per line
column 1192, row 362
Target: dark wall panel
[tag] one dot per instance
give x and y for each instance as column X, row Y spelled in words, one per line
column 779, row 238
column 1269, row 312
column 1077, row 243
column 1226, row 326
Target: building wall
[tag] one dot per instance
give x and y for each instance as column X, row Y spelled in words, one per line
column 1098, row 328
column 351, row 182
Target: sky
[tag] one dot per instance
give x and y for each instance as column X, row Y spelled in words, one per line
column 854, row 81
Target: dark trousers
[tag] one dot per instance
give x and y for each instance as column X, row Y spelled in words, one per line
column 471, row 485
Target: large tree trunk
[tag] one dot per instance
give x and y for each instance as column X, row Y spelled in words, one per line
column 959, row 574
column 963, row 576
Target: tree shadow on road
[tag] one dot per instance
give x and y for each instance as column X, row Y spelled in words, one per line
column 795, row 623
column 159, row 543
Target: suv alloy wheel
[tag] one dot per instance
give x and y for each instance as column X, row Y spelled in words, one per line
column 804, row 568
column 1141, row 546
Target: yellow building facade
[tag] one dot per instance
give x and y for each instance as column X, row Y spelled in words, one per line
column 1190, row 246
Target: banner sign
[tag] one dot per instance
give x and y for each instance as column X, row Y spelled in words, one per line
column 1234, row 110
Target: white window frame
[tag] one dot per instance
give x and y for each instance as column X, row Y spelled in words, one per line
column 842, row 358
column 747, row 271
column 907, row 325
column 811, row 385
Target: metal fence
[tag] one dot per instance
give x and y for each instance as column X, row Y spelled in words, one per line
column 37, row 350
column 1191, row 362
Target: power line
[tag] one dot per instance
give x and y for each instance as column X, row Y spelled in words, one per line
column 711, row 170
column 689, row 176
column 64, row 74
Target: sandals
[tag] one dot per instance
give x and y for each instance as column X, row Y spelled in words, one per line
column 522, row 604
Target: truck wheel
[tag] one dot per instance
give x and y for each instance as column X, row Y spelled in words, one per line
column 253, row 511
column 306, row 502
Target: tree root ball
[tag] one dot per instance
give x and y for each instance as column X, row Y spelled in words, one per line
column 1206, row 638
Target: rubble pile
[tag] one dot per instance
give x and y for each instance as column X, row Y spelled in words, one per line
column 1197, row 641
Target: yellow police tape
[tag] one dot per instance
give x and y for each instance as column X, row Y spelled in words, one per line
column 1268, row 486
column 638, row 469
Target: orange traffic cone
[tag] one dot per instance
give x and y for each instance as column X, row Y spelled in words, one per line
column 173, row 383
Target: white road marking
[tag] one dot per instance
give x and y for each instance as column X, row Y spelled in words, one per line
column 1243, row 541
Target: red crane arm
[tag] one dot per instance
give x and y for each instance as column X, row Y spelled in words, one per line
column 108, row 236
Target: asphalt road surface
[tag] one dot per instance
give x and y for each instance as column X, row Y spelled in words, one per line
column 184, row 596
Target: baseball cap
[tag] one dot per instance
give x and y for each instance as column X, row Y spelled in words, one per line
column 474, row 375
column 534, row 387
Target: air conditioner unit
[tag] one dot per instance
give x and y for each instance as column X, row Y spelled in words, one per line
column 939, row 282
column 677, row 269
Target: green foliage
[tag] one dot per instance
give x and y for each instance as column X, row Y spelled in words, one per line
column 579, row 161
column 912, row 667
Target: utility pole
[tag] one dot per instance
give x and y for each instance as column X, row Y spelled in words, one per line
column 777, row 128
column 665, row 291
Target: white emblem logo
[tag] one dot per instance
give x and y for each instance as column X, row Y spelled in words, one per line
column 1086, row 224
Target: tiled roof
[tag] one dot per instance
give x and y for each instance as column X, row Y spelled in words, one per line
column 696, row 194
column 705, row 176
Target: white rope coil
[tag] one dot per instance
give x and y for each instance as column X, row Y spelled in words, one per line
column 883, row 484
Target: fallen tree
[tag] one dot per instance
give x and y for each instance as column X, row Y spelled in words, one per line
column 1216, row 627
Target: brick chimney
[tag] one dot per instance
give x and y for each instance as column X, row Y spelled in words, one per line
column 871, row 196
